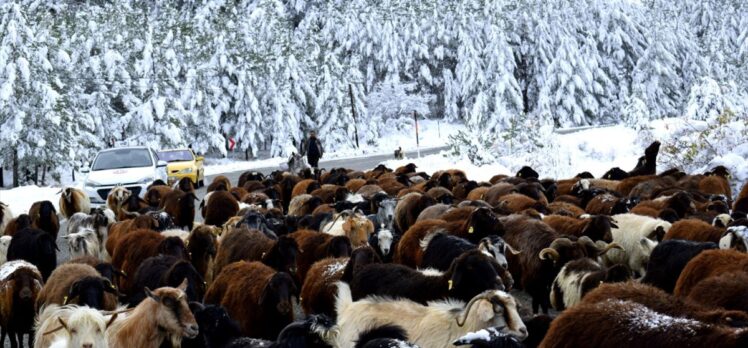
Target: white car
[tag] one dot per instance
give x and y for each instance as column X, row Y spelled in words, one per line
column 132, row 167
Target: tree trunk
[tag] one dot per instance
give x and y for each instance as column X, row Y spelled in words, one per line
column 73, row 174
column 2, row 177
column 15, row 169
column 36, row 175
column 246, row 155
column 44, row 175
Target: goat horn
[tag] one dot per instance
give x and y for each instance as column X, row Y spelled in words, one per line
column 608, row 247
column 464, row 314
column 511, row 248
column 560, row 242
column 549, row 251
column 53, row 330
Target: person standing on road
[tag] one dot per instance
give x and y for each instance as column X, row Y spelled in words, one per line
column 313, row 150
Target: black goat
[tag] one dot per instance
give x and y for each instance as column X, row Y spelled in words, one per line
column 164, row 270
column 668, row 260
column 35, row 246
column 385, row 336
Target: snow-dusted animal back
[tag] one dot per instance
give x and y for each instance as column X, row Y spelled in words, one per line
column 11, row 267
column 297, row 163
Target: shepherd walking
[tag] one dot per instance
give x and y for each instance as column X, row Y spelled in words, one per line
column 313, row 150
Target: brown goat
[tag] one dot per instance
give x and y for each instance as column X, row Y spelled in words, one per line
column 116, row 198
column 60, row 287
column 253, row 245
column 565, row 209
column 16, row 224
column 314, row 246
column 73, row 200
column 660, row 301
column 707, row 264
column 441, row 195
column 626, row 185
column 202, row 247
column 354, row 185
column 433, row 212
column 139, row 245
column 330, row 193
column 319, row 290
column 606, row 204
column 120, row 229
column 408, row 209
column 164, row 317
column 220, row 183
column 477, row 193
column 368, row 191
column 695, row 230
column 256, row 296
column 221, row 206
column 303, row 205
column 715, row 185
column 517, row 202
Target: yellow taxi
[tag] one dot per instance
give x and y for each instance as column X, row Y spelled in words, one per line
column 182, row 163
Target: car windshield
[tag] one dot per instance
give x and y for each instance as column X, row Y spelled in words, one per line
column 122, row 158
column 175, row 156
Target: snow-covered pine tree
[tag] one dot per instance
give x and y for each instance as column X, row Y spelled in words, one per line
column 655, row 78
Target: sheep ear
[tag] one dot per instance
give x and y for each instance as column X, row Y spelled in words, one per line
column 485, row 311
column 63, row 323
column 183, row 285
column 150, row 294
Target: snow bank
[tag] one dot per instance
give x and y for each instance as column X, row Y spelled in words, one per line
column 594, row 150
column 21, row 198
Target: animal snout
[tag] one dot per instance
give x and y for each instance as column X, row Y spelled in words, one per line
column 191, row 330
column 386, row 251
column 284, row 307
column 87, row 345
column 522, row 333
column 390, row 217
column 25, row 293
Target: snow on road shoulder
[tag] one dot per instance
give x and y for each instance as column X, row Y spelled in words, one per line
column 21, row 198
column 594, row 150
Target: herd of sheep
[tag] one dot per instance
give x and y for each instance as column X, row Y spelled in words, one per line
column 386, row 258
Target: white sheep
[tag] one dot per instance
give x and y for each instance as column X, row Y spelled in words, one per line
column 5, row 216
column 70, row 327
column 735, row 237
column 638, row 235
column 4, row 244
column 436, row 325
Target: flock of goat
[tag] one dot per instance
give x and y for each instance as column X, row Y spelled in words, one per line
column 386, row 258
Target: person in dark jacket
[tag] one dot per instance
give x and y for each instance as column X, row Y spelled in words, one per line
column 313, row 150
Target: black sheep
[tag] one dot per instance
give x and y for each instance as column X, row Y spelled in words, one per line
column 216, row 328
column 442, row 249
column 256, row 221
column 668, row 260
column 385, row 336
column 527, row 172
column 35, row 246
column 89, row 291
column 163, row 270
column 313, row 222
column 469, row 275
column 615, row 174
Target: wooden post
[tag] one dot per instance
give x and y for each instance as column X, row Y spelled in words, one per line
column 353, row 112
column 418, row 143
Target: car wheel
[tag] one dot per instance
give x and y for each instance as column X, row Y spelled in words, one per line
column 201, row 182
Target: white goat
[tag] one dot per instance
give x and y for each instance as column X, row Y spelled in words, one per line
column 436, row 325
column 638, row 235
column 70, row 327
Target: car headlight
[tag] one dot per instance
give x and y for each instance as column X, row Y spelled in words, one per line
column 146, row 181
column 185, row 171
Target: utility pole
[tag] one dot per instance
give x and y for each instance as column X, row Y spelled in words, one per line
column 353, row 111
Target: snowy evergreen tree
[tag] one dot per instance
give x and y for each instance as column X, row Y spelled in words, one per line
column 656, row 79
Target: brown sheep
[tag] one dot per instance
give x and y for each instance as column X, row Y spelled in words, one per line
column 596, row 227
column 253, row 186
column 355, row 226
column 498, row 190
column 220, row 207
column 461, row 190
column 155, row 195
column 202, row 247
column 368, row 191
column 408, row 209
column 239, row 193
column 324, row 208
column 139, row 245
column 496, row 178
column 391, row 185
column 433, row 212
column 626, row 185
column 629, row 324
column 220, row 183
column 303, row 205
column 516, row 202
column 707, row 264
column 44, row 217
column 607, row 204
column 314, row 246
column 181, row 207
column 258, row 297
column 354, row 185
column 329, row 194
column 65, row 284
column 16, row 224
column 477, row 193
column 304, row 187
column 19, row 288
column 253, row 245
column 722, row 291
column 565, row 209
column 73, row 200
column 441, row 195
column 716, row 183
column 660, row 301
column 741, row 203
column 695, row 230
column 681, row 202
column 120, row 229
column 319, row 290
